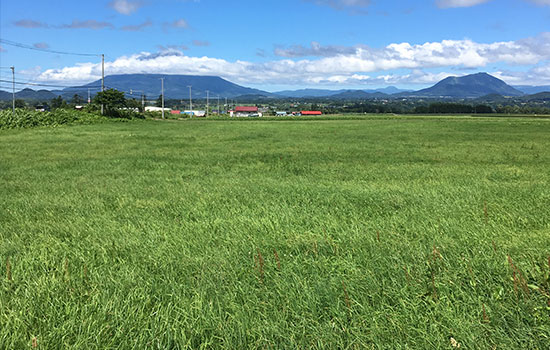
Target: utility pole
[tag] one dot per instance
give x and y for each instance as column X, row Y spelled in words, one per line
column 89, row 99
column 162, row 89
column 13, row 89
column 218, row 104
column 102, row 77
column 190, row 100
column 207, row 102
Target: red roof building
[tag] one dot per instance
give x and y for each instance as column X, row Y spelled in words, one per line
column 246, row 109
column 311, row 113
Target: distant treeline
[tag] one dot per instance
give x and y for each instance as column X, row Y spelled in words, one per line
column 416, row 107
column 453, row 108
column 401, row 108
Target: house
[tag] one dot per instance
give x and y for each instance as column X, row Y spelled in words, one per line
column 311, row 113
column 246, row 111
column 281, row 114
column 42, row 108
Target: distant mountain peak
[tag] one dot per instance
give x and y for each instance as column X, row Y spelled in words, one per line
column 469, row 86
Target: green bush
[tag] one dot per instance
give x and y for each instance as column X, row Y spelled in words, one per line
column 29, row 119
column 124, row 114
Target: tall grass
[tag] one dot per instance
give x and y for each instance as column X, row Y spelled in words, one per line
column 354, row 233
column 29, row 119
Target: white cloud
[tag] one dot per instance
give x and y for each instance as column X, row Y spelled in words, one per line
column 541, row 2
column 339, row 68
column 459, row 3
column 539, row 75
column 125, row 7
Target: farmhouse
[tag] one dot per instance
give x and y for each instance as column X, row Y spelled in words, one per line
column 246, row 111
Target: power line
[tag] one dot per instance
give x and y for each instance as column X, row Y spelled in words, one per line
column 29, row 47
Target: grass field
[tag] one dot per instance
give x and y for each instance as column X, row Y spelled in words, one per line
column 365, row 232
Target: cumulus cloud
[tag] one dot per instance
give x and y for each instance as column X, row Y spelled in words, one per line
column 459, row 3
column 539, row 75
column 137, row 27
column 351, row 65
column 125, row 7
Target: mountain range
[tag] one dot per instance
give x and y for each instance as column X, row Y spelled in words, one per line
column 177, row 87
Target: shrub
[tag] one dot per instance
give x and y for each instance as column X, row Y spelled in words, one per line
column 28, row 119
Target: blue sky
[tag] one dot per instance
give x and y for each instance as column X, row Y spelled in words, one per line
column 283, row 44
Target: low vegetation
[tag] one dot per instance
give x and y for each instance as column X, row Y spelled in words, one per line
column 28, row 119
column 362, row 232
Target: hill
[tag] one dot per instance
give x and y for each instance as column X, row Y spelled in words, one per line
column 28, row 94
column 528, row 89
column 175, row 86
column 301, row 93
column 469, row 86
column 541, row 96
column 358, row 94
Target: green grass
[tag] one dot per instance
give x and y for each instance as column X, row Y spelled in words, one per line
column 364, row 232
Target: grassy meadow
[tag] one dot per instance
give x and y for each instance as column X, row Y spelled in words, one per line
column 380, row 232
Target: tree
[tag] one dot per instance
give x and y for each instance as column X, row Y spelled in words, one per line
column 133, row 103
column 58, row 102
column 111, row 99
column 20, row 103
column 76, row 100
column 159, row 101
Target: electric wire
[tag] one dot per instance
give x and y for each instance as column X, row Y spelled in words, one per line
column 29, row 47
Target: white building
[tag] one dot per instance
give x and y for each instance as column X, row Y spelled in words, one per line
column 156, row 109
